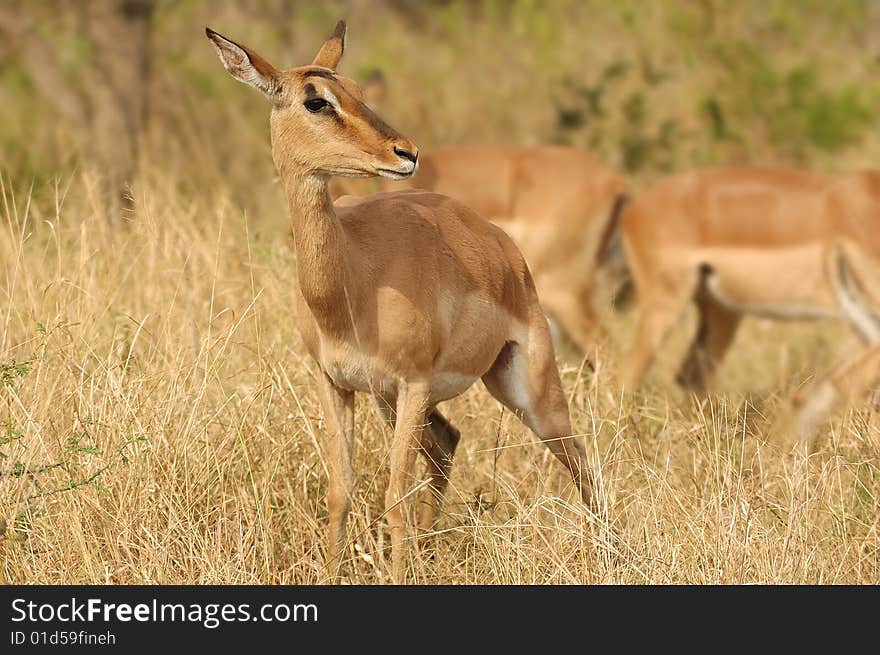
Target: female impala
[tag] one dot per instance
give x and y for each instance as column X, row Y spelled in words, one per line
column 408, row 296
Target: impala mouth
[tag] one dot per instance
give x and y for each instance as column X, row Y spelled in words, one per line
column 393, row 174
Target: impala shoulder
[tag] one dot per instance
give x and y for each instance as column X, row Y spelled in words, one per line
column 384, row 203
column 348, row 201
column 435, row 207
column 402, row 198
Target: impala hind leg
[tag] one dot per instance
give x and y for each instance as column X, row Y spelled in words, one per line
column 524, row 378
column 660, row 307
column 715, row 332
column 338, row 406
column 573, row 311
column 847, row 381
column 438, row 443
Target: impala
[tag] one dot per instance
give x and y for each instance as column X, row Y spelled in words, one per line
column 738, row 241
column 854, row 276
column 408, row 296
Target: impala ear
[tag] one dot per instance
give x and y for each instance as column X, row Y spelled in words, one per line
column 331, row 52
column 245, row 65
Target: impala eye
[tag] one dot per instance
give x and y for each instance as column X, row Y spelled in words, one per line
column 315, row 105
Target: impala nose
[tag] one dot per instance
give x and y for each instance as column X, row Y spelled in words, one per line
column 406, row 154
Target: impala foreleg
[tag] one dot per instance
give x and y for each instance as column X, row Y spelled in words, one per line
column 410, row 423
column 654, row 324
column 661, row 300
column 438, row 444
column 338, row 406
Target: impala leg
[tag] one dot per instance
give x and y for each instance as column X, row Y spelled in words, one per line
column 715, row 332
column 410, row 423
column 524, row 378
column 338, row 406
column 437, row 445
column 573, row 309
column 655, row 322
column 660, row 306
column 849, row 380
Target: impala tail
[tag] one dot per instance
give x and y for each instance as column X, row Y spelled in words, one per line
column 610, row 257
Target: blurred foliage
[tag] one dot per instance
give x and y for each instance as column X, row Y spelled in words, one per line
column 650, row 87
column 740, row 100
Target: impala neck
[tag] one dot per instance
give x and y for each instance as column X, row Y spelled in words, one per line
column 322, row 253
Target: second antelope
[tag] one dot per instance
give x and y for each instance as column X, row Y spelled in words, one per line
column 408, row 296
column 738, row 241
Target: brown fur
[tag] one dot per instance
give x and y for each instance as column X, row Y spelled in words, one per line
column 409, row 296
column 557, row 204
column 738, row 241
column 854, row 276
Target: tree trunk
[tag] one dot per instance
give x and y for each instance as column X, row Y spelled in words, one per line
column 105, row 107
column 118, row 89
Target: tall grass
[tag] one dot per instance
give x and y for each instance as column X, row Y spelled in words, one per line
column 160, row 425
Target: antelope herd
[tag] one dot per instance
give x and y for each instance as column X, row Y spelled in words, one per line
column 410, row 295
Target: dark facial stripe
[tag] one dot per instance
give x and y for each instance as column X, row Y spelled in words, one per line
column 319, row 73
column 337, row 118
column 379, row 125
column 372, row 119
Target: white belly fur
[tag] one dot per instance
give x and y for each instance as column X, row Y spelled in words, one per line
column 448, row 385
column 355, row 371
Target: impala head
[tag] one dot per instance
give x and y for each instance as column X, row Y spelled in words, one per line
column 320, row 123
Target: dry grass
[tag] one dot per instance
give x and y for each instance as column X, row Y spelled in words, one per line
column 166, row 350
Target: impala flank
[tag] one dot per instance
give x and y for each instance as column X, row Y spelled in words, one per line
column 737, row 242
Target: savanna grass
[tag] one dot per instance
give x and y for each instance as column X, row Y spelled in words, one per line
column 160, row 425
